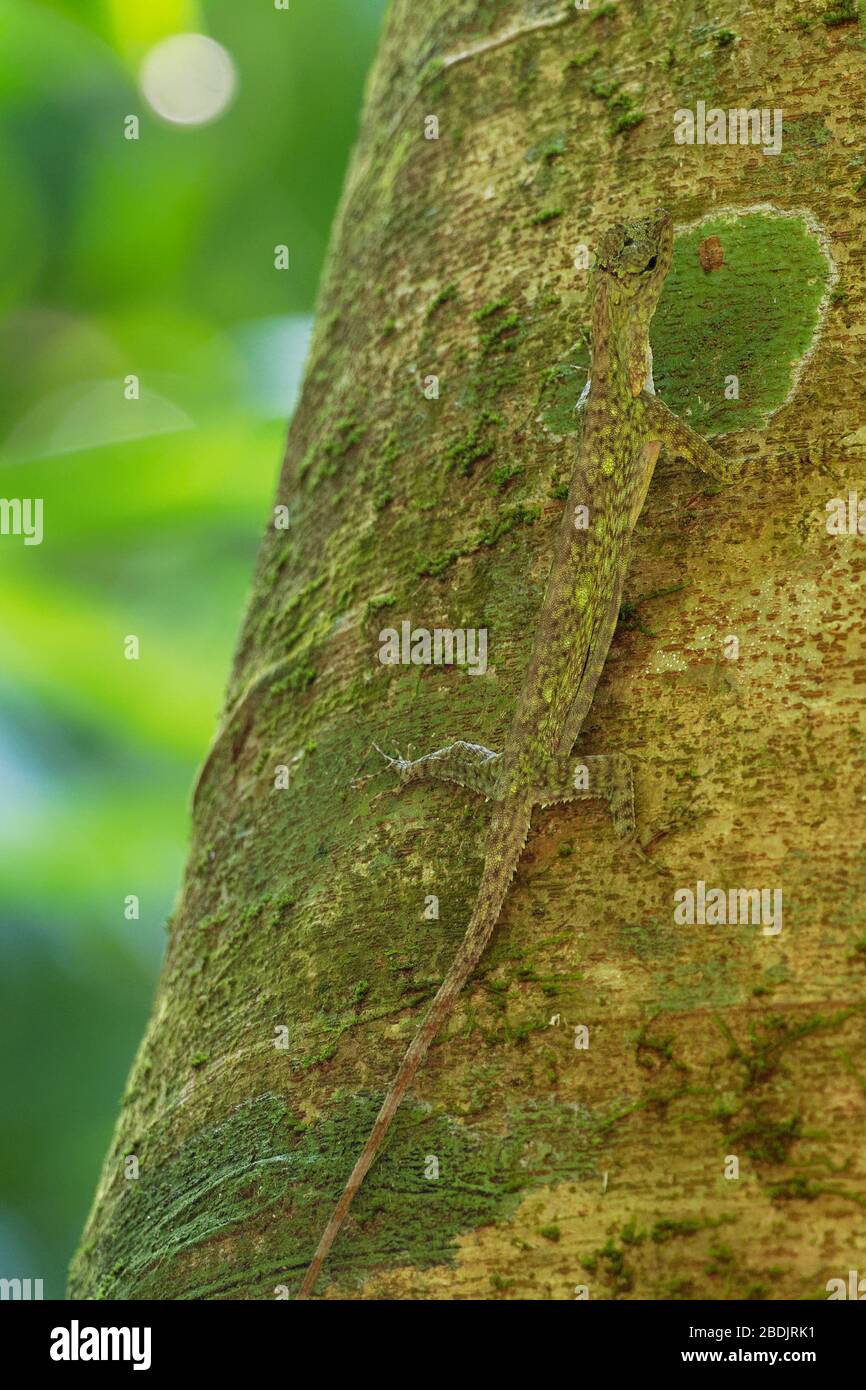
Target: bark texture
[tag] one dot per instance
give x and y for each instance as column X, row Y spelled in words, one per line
column 303, row 908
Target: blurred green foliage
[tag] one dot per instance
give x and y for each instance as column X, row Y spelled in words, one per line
column 152, row 257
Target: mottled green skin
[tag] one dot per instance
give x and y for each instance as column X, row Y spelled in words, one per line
column 611, row 476
column 619, row 446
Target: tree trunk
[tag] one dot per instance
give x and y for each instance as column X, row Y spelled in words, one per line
column 625, row 1102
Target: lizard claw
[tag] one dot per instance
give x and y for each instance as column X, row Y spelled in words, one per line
column 399, row 763
column 634, row 846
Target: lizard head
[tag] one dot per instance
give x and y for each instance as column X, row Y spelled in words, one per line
column 634, row 258
column 638, row 254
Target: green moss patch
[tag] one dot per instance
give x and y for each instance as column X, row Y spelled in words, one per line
column 756, row 318
column 266, row 1185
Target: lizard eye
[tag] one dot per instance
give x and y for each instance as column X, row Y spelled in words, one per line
column 651, row 264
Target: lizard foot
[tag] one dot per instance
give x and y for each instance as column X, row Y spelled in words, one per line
column 634, row 845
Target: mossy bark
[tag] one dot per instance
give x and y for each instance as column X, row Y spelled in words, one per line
column 303, row 909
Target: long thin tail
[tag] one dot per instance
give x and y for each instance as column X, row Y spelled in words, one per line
column 507, row 838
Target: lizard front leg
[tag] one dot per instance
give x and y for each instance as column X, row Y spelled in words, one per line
column 663, row 427
column 470, row 765
column 607, row 776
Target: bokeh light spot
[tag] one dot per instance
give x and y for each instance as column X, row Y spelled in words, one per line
column 188, row 79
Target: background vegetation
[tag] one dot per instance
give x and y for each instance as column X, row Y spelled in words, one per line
column 152, row 257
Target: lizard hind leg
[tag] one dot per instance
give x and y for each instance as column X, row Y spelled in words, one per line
column 607, row 776
column 470, row 765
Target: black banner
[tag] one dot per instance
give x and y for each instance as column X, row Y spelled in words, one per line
column 234, row 1338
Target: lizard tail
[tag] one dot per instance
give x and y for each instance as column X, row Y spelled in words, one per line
column 506, row 842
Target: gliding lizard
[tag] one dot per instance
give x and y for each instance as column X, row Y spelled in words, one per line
column 624, row 427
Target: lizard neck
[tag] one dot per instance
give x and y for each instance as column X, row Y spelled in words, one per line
column 620, row 343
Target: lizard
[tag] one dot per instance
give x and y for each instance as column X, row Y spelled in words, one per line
column 624, row 426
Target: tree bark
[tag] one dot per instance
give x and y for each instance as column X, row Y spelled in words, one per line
column 304, row 949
